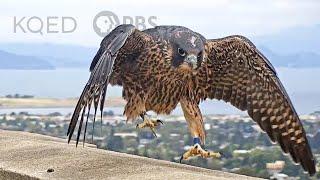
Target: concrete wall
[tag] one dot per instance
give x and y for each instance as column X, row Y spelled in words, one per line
column 32, row 156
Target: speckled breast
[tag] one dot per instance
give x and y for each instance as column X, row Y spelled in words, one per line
column 164, row 96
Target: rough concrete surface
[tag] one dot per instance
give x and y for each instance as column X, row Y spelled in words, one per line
column 29, row 156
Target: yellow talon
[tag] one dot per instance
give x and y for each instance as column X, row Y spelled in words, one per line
column 197, row 150
column 147, row 122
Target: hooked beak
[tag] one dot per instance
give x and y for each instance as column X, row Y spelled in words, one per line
column 191, row 60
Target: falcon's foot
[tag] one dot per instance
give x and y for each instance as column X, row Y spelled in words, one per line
column 197, row 150
column 148, row 122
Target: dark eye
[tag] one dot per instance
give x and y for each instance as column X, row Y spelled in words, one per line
column 181, row 52
column 200, row 54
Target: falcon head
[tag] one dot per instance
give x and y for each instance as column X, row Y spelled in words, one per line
column 188, row 49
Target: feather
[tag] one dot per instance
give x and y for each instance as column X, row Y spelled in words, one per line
column 266, row 100
column 101, row 69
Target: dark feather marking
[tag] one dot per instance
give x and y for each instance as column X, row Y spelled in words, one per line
column 80, row 125
column 85, row 128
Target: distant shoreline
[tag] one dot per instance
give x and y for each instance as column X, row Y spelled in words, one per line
column 12, row 103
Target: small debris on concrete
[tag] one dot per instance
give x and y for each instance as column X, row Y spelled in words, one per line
column 50, row 170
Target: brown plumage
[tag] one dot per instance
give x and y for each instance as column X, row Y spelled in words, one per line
column 166, row 65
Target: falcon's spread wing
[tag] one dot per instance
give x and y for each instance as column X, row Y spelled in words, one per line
column 101, row 68
column 236, row 72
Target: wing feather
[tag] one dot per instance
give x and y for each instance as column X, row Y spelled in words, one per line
column 238, row 73
column 101, row 69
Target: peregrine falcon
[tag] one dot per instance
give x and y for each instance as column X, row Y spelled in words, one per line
column 161, row 67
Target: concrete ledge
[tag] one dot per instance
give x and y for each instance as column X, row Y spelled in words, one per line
column 29, row 156
column 6, row 174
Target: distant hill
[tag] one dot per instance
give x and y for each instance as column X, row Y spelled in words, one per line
column 292, row 41
column 13, row 61
column 59, row 55
column 302, row 59
column 72, row 56
column 294, row 47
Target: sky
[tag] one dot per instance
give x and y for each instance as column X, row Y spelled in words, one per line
column 212, row 18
